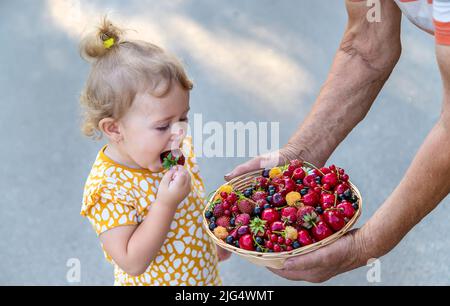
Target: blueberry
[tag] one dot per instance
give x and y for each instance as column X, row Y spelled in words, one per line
column 319, row 210
column 348, row 194
column 236, row 243
column 296, row 245
column 265, row 173
column 272, row 192
column 299, row 182
column 318, row 180
column 267, row 206
column 341, row 197
column 212, row 226
column 230, row 240
column 272, row 187
column 232, row 221
column 355, row 206
column 269, row 199
column 270, row 251
column 259, row 240
column 354, row 199
column 258, row 249
column 257, row 211
column 304, row 191
column 213, row 219
column 248, row 193
column 208, row 215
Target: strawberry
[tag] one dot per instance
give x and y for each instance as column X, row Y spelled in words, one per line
column 304, row 238
column 331, row 179
column 309, row 180
column 327, row 200
column 270, row 215
column 334, row 219
column 341, row 188
column 299, row 174
column 325, row 170
column 289, row 185
column 321, row 231
column 289, row 215
column 311, row 198
column 218, row 211
column 347, row 209
column 245, row 206
column 246, row 242
column 170, row 159
column 307, row 217
column 223, row 221
column 243, row 219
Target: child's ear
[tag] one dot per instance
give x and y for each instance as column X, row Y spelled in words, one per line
column 110, row 127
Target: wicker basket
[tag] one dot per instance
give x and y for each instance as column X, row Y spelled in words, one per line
column 275, row 260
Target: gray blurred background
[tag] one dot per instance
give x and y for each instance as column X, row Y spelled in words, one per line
column 252, row 60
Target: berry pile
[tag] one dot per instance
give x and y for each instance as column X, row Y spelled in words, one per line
column 285, row 208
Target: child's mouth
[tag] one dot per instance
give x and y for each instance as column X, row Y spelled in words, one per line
column 172, row 158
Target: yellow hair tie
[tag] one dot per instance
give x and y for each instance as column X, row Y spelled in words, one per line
column 109, row 43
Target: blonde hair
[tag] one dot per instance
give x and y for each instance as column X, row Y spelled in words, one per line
column 120, row 70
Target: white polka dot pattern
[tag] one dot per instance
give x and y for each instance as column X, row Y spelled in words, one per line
column 116, row 196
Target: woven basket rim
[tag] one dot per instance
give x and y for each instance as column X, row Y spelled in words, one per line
column 286, row 254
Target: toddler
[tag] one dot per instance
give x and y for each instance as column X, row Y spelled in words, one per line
column 148, row 218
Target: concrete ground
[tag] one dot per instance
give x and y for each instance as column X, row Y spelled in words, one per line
column 251, row 60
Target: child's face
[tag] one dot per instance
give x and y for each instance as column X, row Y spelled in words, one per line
column 154, row 125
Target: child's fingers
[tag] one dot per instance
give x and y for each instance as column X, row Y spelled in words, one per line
column 168, row 177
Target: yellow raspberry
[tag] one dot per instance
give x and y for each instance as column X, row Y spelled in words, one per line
column 293, row 198
column 291, row 233
column 275, row 172
column 221, row 232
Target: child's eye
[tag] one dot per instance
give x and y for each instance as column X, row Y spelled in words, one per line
column 163, row 128
column 184, row 119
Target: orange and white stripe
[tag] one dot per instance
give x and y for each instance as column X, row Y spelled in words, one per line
column 432, row 16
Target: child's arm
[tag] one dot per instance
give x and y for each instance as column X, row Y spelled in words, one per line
column 133, row 248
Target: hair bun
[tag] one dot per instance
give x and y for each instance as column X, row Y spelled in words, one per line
column 98, row 43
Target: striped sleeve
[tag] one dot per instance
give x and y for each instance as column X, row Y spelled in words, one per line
column 441, row 20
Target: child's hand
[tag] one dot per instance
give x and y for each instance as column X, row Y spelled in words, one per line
column 175, row 186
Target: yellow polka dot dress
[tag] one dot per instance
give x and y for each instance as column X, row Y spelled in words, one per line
column 115, row 196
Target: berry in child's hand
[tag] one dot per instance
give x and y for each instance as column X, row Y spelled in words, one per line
column 170, row 159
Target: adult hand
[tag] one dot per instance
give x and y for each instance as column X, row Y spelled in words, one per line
column 343, row 255
column 269, row 160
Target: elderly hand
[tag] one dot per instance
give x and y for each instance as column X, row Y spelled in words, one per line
column 343, row 255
